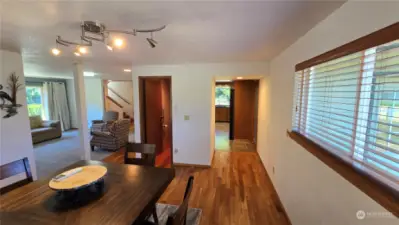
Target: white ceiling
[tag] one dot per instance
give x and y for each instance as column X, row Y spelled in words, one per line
column 196, row 32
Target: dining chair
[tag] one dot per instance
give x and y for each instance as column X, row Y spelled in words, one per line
column 179, row 217
column 147, row 151
column 148, row 154
column 14, row 168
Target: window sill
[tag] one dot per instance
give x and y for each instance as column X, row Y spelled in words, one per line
column 379, row 192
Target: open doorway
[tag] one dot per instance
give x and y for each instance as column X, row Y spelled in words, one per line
column 156, row 116
column 118, row 98
column 236, row 108
column 224, row 102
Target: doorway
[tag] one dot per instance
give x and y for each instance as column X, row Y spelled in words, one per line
column 156, row 116
column 236, row 113
column 224, row 102
column 118, row 97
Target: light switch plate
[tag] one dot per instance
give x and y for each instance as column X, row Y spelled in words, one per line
column 186, row 117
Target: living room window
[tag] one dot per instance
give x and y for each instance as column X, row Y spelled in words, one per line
column 34, row 100
column 346, row 102
column 350, row 106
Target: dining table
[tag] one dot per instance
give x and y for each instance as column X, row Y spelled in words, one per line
column 128, row 194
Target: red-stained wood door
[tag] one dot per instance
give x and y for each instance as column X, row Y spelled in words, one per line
column 245, row 109
column 153, row 113
column 167, row 117
column 156, row 116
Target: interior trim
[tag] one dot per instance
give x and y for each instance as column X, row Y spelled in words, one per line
column 191, row 165
column 376, row 38
column 276, row 198
column 378, row 191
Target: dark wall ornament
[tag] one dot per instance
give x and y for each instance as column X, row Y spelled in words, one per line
column 8, row 103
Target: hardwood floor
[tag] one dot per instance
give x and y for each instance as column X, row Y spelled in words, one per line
column 161, row 160
column 223, row 142
column 236, row 190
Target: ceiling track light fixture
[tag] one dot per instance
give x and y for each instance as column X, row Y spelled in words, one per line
column 95, row 31
column 152, row 42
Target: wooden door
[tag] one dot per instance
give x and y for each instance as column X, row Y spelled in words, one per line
column 244, row 109
column 167, row 117
column 153, row 113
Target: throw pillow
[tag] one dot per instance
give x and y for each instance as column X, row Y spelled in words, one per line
column 35, row 122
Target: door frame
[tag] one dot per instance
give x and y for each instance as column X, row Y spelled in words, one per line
column 142, row 108
column 231, row 122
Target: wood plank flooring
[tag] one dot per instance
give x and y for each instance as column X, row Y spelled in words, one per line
column 161, row 160
column 236, row 190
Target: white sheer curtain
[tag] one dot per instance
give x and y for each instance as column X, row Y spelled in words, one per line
column 55, row 103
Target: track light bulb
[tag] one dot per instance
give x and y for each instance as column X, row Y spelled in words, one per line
column 118, row 42
column 82, row 50
column 77, row 53
column 109, row 47
column 55, row 51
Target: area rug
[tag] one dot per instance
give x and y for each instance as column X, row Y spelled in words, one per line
column 56, row 154
column 164, row 210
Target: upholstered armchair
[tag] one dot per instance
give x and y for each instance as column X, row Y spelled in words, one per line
column 113, row 138
column 102, row 125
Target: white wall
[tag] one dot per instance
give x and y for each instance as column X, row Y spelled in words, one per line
column 192, row 91
column 94, row 99
column 16, row 139
column 70, row 86
column 312, row 193
column 123, row 88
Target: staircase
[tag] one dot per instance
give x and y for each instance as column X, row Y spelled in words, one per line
column 116, row 102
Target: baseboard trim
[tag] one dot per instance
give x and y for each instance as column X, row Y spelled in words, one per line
column 278, row 202
column 191, row 165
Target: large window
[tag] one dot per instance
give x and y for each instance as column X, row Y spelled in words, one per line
column 350, row 107
column 222, row 95
column 34, row 100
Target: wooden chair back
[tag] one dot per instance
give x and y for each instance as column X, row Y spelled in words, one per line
column 180, row 216
column 147, row 151
column 12, row 169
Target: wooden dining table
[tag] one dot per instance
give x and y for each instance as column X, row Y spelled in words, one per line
column 129, row 194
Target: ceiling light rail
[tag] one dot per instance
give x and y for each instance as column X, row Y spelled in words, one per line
column 95, row 31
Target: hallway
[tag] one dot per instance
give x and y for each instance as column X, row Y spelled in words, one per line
column 223, row 143
column 235, row 190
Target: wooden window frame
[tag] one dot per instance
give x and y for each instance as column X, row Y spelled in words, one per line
column 379, row 37
column 375, row 189
column 383, row 194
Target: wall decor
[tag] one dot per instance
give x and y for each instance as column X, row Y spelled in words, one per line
column 9, row 102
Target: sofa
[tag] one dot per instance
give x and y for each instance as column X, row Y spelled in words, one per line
column 44, row 130
column 115, row 136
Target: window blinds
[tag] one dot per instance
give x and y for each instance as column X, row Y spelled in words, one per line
column 350, row 106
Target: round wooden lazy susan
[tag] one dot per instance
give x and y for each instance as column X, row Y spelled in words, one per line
column 86, row 176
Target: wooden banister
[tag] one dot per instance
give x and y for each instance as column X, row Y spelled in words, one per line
column 115, row 102
column 123, row 99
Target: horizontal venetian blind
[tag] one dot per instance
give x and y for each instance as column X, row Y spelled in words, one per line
column 350, row 106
